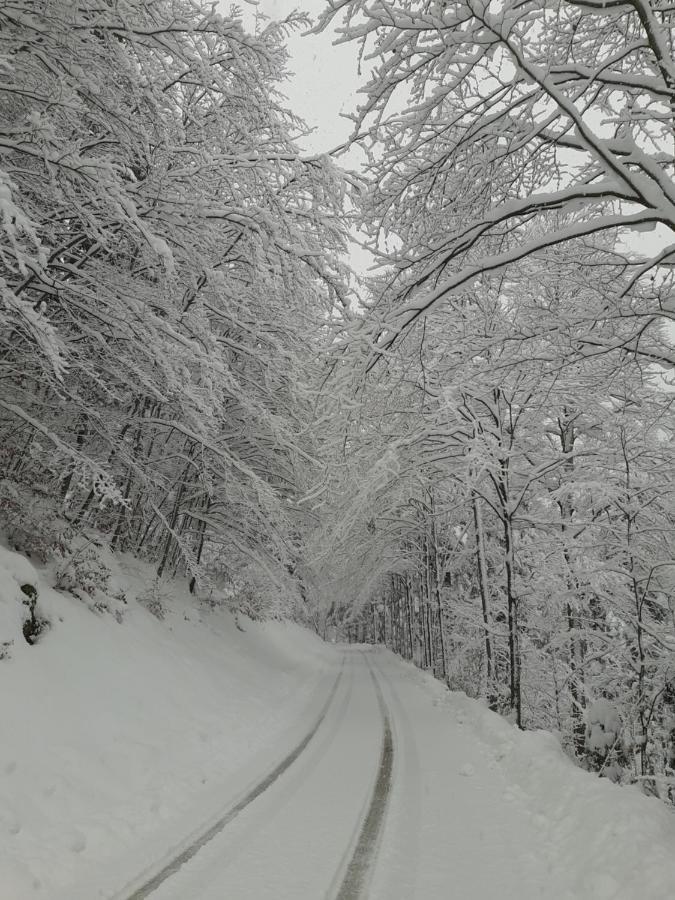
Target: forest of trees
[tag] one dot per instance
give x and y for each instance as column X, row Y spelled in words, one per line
column 170, row 268
column 470, row 457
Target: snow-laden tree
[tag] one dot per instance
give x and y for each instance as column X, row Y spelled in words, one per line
column 168, row 271
column 513, row 449
column 498, row 129
column 517, row 151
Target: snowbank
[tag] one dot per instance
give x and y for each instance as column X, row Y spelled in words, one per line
column 117, row 736
column 592, row 840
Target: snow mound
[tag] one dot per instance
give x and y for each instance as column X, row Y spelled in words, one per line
column 597, row 840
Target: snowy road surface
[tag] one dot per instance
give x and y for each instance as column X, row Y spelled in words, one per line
column 297, row 838
column 406, row 791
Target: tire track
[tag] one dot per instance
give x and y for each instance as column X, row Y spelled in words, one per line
column 360, row 865
column 153, row 882
column 399, row 880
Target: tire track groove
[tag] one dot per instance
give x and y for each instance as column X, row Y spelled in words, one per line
column 170, row 868
column 355, row 880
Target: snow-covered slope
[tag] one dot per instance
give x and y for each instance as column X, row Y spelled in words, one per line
column 115, row 739
column 488, row 812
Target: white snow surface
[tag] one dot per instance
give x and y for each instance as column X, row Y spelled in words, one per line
column 116, row 740
column 527, row 825
column 119, row 741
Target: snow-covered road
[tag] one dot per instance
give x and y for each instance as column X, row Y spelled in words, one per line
column 453, row 802
column 298, row 837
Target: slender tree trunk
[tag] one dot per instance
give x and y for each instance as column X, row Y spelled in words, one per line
column 483, row 588
column 513, row 624
column 430, row 637
column 437, row 589
column 638, row 596
column 423, row 613
column 175, row 512
column 396, row 616
column 200, row 550
column 427, row 604
column 576, row 648
column 576, row 683
column 409, row 612
column 122, row 513
column 79, row 443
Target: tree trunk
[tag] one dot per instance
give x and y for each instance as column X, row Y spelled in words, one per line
column 514, row 632
column 484, row 598
column 437, row 589
column 576, row 647
column 200, row 549
column 409, row 611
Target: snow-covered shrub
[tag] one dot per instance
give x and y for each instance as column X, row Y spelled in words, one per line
column 262, row 601
column 465, row 671
column 250, row 603
column 605, row 746
column 151, row 599
column 260, row 594
column 82, row 570
column 30, row 520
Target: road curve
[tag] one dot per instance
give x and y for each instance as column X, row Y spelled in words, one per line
column 313, row 832
column 150, row 884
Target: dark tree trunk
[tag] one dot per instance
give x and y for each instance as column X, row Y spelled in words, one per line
column 483, row 588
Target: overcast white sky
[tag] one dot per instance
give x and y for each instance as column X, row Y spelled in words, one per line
column 324, row 83
column 325, row 80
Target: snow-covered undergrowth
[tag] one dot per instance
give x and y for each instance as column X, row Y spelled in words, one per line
column 119, row 730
